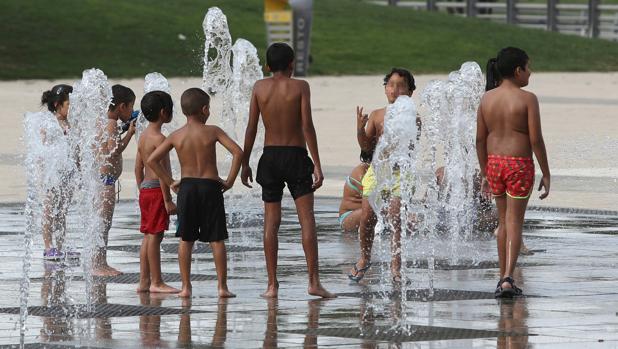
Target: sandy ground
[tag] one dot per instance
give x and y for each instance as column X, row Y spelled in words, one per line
column 579, row 114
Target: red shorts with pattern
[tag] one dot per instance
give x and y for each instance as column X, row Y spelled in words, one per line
column 155, row 219
column 511, row 175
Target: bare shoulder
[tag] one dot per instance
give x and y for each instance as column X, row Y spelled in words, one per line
column 529, row 97
column 378, row 113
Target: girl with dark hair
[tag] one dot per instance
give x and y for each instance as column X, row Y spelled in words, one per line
column 508, row 132
column 58, row 197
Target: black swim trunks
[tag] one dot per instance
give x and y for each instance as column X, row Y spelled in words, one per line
column 280, row 165
column 201, row 212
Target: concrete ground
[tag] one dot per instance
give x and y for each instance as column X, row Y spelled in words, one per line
column 570, row 283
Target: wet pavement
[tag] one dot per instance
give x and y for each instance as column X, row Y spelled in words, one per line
column 570, row 283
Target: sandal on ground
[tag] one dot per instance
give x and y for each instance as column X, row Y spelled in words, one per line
column 512, row 291
column 498, row 290
column 355, row 277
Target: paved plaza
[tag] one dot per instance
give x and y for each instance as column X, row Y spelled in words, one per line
column 570, row 283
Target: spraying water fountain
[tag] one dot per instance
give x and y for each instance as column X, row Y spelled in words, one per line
column 230, row 72
column 435, row 221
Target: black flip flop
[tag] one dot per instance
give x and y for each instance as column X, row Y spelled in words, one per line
column 355, row 277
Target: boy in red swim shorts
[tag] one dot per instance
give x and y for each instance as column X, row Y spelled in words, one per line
column 155, row 201
column 508, row 132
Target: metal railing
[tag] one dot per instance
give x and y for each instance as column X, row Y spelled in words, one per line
column 592, row 19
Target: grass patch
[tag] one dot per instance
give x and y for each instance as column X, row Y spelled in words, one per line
column 131, row 38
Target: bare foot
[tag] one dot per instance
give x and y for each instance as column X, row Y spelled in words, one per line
column 144, row 286
column 163, row 288
column 225, row 293
column 185, row 293
column 320, row 292
column 272, row 291
column 105, row 271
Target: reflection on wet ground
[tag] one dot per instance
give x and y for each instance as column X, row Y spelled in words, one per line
column 570, row 280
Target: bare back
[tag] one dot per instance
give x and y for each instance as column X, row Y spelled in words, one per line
column 279, row 100
column 505, row 114
column 113, row 159
column 195, row 145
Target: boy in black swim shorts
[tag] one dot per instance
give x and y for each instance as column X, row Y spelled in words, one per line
column 286, row 112
column 201, row 212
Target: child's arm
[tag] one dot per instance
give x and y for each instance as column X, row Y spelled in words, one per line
column 254, row 114
column 365, row 131
column 309, row 133
column 170, row 207
column 481, row 150
column 139, row 169
column 124, row 142
column 537, row 142
column 237, row 157
column 154, row 162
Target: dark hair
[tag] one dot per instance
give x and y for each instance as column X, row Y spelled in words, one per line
column 57, row 95
column 121, row 94
column 155, row 101
column 403, row 73
column 279, row 56
column 504, row 65
column 193, row 100
column 366, row 156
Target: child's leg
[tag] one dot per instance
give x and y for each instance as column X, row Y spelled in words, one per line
column 272, row 220
column 48, row 220
column 366, row 230
column 352, row 221
column 395, row 220
column 154, row 262
column 515, row 211
column 220, row 257
column 144, row 267
column 185, row 248
column 100, row 266
column 501, row 233
column 304, row 209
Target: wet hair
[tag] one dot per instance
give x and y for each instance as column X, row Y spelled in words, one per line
column 504, row 65
column 279, row 56
column 193, row 100
column 155, row 101
column 403, row 73
column 56, row 96
column 366, row 156
column 121, row 94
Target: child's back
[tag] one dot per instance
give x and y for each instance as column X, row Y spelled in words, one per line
column 195, row 146
column 506, row 111
column 280, row 100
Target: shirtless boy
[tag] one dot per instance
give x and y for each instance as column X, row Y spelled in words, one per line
column 155, row 201
column 112, row 148
column 369, row 130
column 284, row 104
column 508, row 132
column 201, row 210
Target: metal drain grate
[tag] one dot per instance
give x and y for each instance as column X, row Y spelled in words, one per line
column 414, row 333
column 44, row 346
column 100, row 311
column 133, row 278
column 173, row 248
column 423, row 295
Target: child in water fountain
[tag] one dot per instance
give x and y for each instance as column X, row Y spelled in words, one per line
column 286, row 113
column 508, row 132
column 155, row 200
column 350, row 208
column 120, row 109
column 201, row 211
column 369, row 130
column 57, row 201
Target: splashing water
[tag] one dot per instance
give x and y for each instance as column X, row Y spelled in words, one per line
column 90, row 100
column 217, row 52
column 230, row 72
